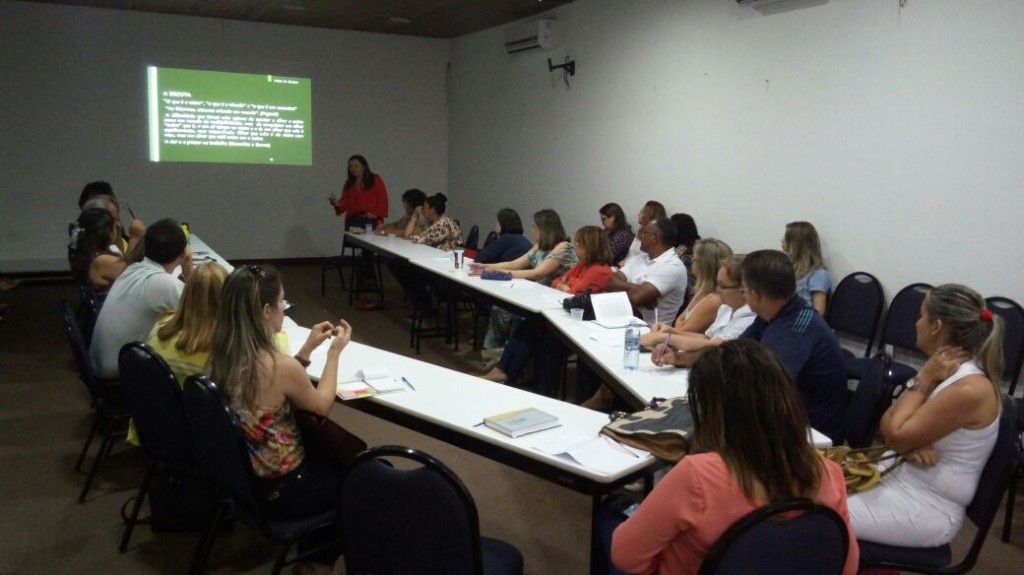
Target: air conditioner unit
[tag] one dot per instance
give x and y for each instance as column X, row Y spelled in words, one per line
column 531, row 36
column 756, row 3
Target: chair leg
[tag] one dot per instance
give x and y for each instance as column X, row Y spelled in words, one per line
column 205, row 543
column 139, row 498
column 88, row 441
column 107, row 438
column 1011, row 496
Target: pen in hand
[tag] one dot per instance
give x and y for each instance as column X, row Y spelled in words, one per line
column 664, row 348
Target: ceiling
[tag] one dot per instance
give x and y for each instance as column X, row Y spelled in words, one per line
column 432, row 18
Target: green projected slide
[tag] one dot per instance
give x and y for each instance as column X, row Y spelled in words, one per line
column 224, row 117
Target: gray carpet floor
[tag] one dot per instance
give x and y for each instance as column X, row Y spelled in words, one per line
column 44, row 419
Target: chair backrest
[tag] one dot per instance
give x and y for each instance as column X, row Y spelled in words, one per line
column 1013, row 338
column 856, row 306
column 79, row 350
column 88, row 309
column 216, row 440
column 473, row 238
column 491, row 238
column 904, row 309
column 995, row 477
column 815, row 541
column 153, row 398
column 870, row 400
column 399, row 520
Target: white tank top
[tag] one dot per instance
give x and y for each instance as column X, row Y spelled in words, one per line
column 963, row 455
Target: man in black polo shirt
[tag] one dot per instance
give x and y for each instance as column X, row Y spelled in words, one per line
column 800, row 338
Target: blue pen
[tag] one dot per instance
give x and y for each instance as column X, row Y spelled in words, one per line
column 406, row 382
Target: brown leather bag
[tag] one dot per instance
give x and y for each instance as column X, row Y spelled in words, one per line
column 663, row 429
column 324, row 435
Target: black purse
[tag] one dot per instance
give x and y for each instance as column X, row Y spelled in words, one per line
column 580, row 301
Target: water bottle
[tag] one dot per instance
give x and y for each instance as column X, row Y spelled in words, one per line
column 631, row 355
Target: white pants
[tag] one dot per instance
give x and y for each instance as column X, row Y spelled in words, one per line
column 899, row 513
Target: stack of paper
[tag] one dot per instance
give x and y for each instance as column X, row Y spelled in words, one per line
column 598, row 452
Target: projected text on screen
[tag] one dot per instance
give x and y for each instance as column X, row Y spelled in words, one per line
column 225, row 117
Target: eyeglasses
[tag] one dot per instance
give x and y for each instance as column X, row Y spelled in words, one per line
column 647, row 233
column 256, row 271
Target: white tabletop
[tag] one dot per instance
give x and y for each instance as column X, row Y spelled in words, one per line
column 395, row 246
column 601, row 345
column 528, row 296
column 459, row 402
column 201, row 254
column 605, row 347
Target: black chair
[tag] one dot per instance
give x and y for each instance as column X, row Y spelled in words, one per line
column 88, row 309
column 491, row 238
column 111, row 412
column 981, row 511
column 338, row 263
column 421, row 520
column 473, row 238
column 153, row 398
column 815, row 541
column 1011, row 490
column 899, row 332
column 856, row 307
column 1013, row 337
column 870, row 400
column 220, row 451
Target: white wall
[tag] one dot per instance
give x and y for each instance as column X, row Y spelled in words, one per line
column 74, row 110
column 898, row 133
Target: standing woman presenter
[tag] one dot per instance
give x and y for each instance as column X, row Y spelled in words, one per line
column 364, row 199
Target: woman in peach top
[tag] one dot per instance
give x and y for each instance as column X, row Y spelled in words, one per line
column 750, row 448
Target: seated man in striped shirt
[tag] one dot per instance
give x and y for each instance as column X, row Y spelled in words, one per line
column 797, row 334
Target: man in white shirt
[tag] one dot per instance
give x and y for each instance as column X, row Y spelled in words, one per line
column 143, row 292
column 651, row 211
column 734, row 317
column 656, row 278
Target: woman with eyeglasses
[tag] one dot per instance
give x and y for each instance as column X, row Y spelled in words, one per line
column 265, row 386
column 681, row 348
column 531, row 339
column 620, row 233
column 749, row 449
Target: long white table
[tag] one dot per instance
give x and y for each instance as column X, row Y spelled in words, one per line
column 603, row 352
column 450, row 406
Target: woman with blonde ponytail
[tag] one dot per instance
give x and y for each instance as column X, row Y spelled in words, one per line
column 945, row 423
